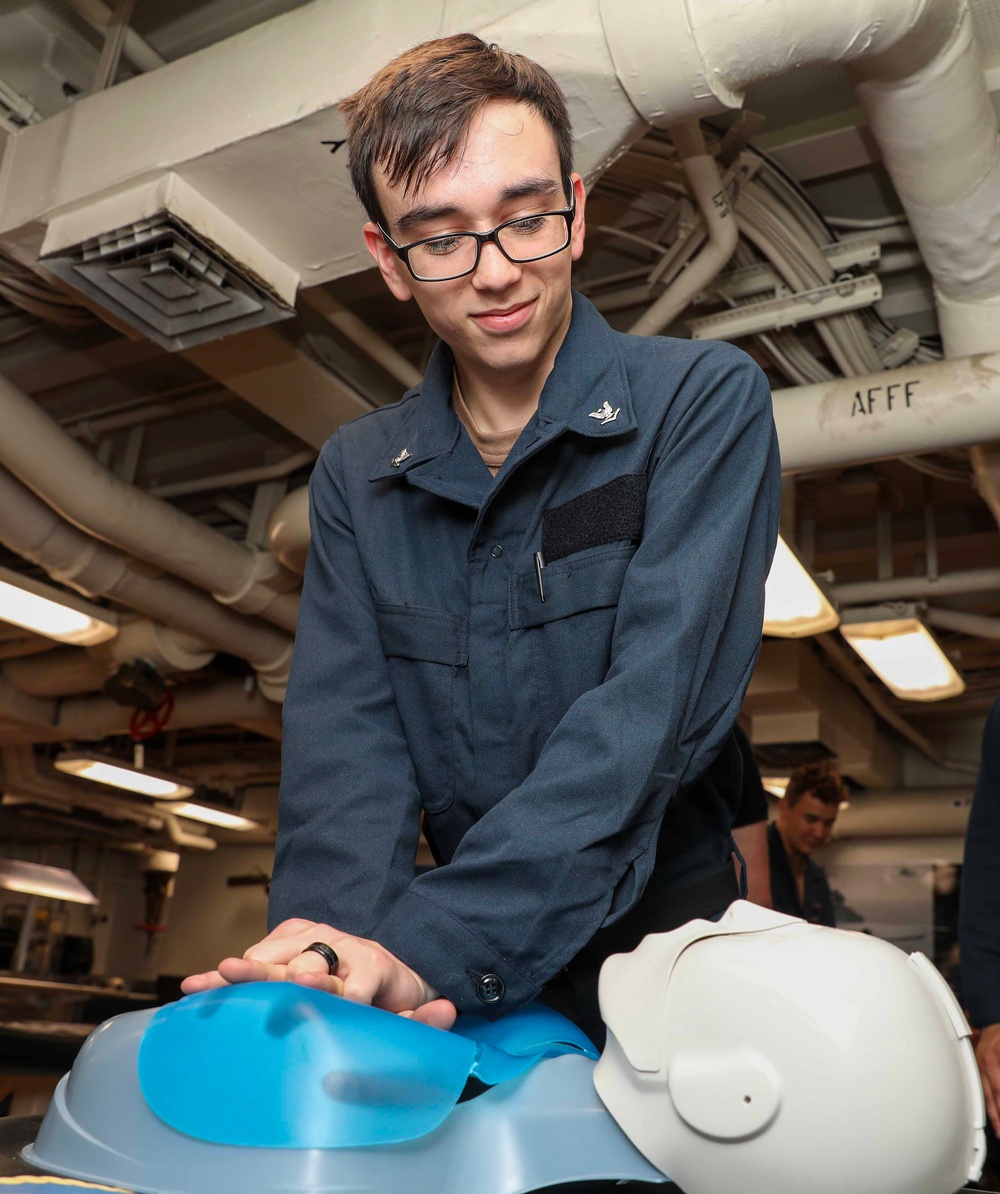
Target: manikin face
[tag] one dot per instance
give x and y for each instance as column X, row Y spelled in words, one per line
column 808, row 825
column 503, row 318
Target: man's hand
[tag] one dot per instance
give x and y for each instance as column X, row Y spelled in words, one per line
column 988, row 1057
column 367, row 973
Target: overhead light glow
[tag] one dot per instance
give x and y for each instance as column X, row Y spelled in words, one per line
column 903, row 653
column 44, row 610
column 52, row 882
column 210, row 816
column 775, row 784
column 794, row 604
column 118, row 774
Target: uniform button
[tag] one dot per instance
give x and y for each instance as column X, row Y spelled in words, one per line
column 496, row 551
column 491, row 988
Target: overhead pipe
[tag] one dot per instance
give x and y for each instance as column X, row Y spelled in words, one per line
column 898, row 412
column 70, row 480
column 243, row 476
column 916, row 588
column 33, row 530
column 89, row 718
column 138, row 52
column 66, row 671
column 362, row 336
column 288, row 530
column 976, row 625
column 723, row 234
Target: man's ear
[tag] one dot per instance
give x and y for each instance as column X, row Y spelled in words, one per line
column 579, row 219
column 389, row 265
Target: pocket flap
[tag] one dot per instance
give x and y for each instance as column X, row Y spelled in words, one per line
column 591, row 581
column 435, row 636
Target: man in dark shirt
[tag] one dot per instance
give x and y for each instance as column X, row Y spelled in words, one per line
column 805, row 822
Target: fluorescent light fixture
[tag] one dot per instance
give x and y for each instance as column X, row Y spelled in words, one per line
column 775, row 784
column 210, row 816
column 116, row 773
column 794, row 604
column 50, row 881
column 902, row 652
column 45, row 610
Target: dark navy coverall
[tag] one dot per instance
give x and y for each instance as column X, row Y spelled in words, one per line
column 979, row 916
column 544, row 740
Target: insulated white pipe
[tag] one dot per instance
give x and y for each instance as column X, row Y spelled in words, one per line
column 360, row 334
column 900, row 412
column 723, row 233
column 288, row 530
column 31, row 529
column 224, row 703
column 70, row 480
column 917, row 588
column 137, row 51
column 66, row 671
column 978, row 625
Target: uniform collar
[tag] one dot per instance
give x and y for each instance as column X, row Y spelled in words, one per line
column 587, row 392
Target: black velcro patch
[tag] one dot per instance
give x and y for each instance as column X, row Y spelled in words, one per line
column 607, row 514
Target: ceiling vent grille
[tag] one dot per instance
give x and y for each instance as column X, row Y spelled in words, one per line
column 161, row 278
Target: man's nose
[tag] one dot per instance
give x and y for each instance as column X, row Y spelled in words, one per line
column 495, row 271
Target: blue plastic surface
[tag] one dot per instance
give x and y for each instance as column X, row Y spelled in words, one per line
column 276, row 1065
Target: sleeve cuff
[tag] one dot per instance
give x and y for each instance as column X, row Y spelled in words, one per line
column 453, row 960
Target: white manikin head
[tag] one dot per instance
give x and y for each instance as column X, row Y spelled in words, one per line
column 767, row 1055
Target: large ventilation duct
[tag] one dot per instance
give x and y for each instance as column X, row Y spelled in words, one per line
column 33, row 530
column 193, row 201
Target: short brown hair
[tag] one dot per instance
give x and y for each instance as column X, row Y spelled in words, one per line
column 413, row 115
column 815, row 779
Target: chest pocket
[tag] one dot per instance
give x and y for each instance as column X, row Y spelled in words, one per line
column 427, row 652
column 592, row 580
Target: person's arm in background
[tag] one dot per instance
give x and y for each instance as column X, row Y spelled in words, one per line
column 979, row 919
column 750, row 826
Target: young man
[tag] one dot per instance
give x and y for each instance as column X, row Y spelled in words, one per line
column 805, row 822
column 534, row 594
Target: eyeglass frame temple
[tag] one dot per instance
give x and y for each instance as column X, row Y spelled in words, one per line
column 481, row 239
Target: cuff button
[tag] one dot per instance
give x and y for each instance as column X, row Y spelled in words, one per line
column 490, row 988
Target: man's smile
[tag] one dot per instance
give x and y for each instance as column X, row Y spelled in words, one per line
column 505, row 319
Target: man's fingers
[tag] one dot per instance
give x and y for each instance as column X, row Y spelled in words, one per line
column 320, row 982
column 250, row 970
column 202, row 982
column 439, row 1013
column 280, row 950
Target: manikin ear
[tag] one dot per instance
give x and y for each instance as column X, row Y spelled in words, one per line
column 579, row 219
column 389, row 265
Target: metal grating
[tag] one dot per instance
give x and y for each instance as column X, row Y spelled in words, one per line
column 161, row 278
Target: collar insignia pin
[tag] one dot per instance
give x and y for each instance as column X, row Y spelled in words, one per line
column 396, row 461
column 605, row 414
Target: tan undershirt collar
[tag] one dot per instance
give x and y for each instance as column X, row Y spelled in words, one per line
column 493, row 446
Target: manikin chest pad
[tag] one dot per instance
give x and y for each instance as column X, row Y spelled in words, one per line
column 751, row 1052
column 283, row 1066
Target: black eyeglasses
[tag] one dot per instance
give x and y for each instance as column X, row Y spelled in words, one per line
column 528, row 238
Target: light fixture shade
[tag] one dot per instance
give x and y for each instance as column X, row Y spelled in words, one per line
column 116, row 773
column 774, row 784
column 45, row 610
column 794, row 604
column 902, row 652
column 53, row 882
column 221, row 817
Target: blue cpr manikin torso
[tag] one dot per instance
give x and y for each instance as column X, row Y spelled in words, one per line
column 282, row 1066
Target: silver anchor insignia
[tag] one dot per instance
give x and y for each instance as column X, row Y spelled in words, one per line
column 396, row 461
column 605, row 414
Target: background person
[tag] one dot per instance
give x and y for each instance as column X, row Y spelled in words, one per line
column 805, row 821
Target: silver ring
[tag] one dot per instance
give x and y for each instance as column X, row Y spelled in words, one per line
column 326, row 953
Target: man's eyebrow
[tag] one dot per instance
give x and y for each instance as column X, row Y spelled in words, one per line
column 425, row 212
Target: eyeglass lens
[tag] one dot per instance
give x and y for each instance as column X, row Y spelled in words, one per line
column 524, row 240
